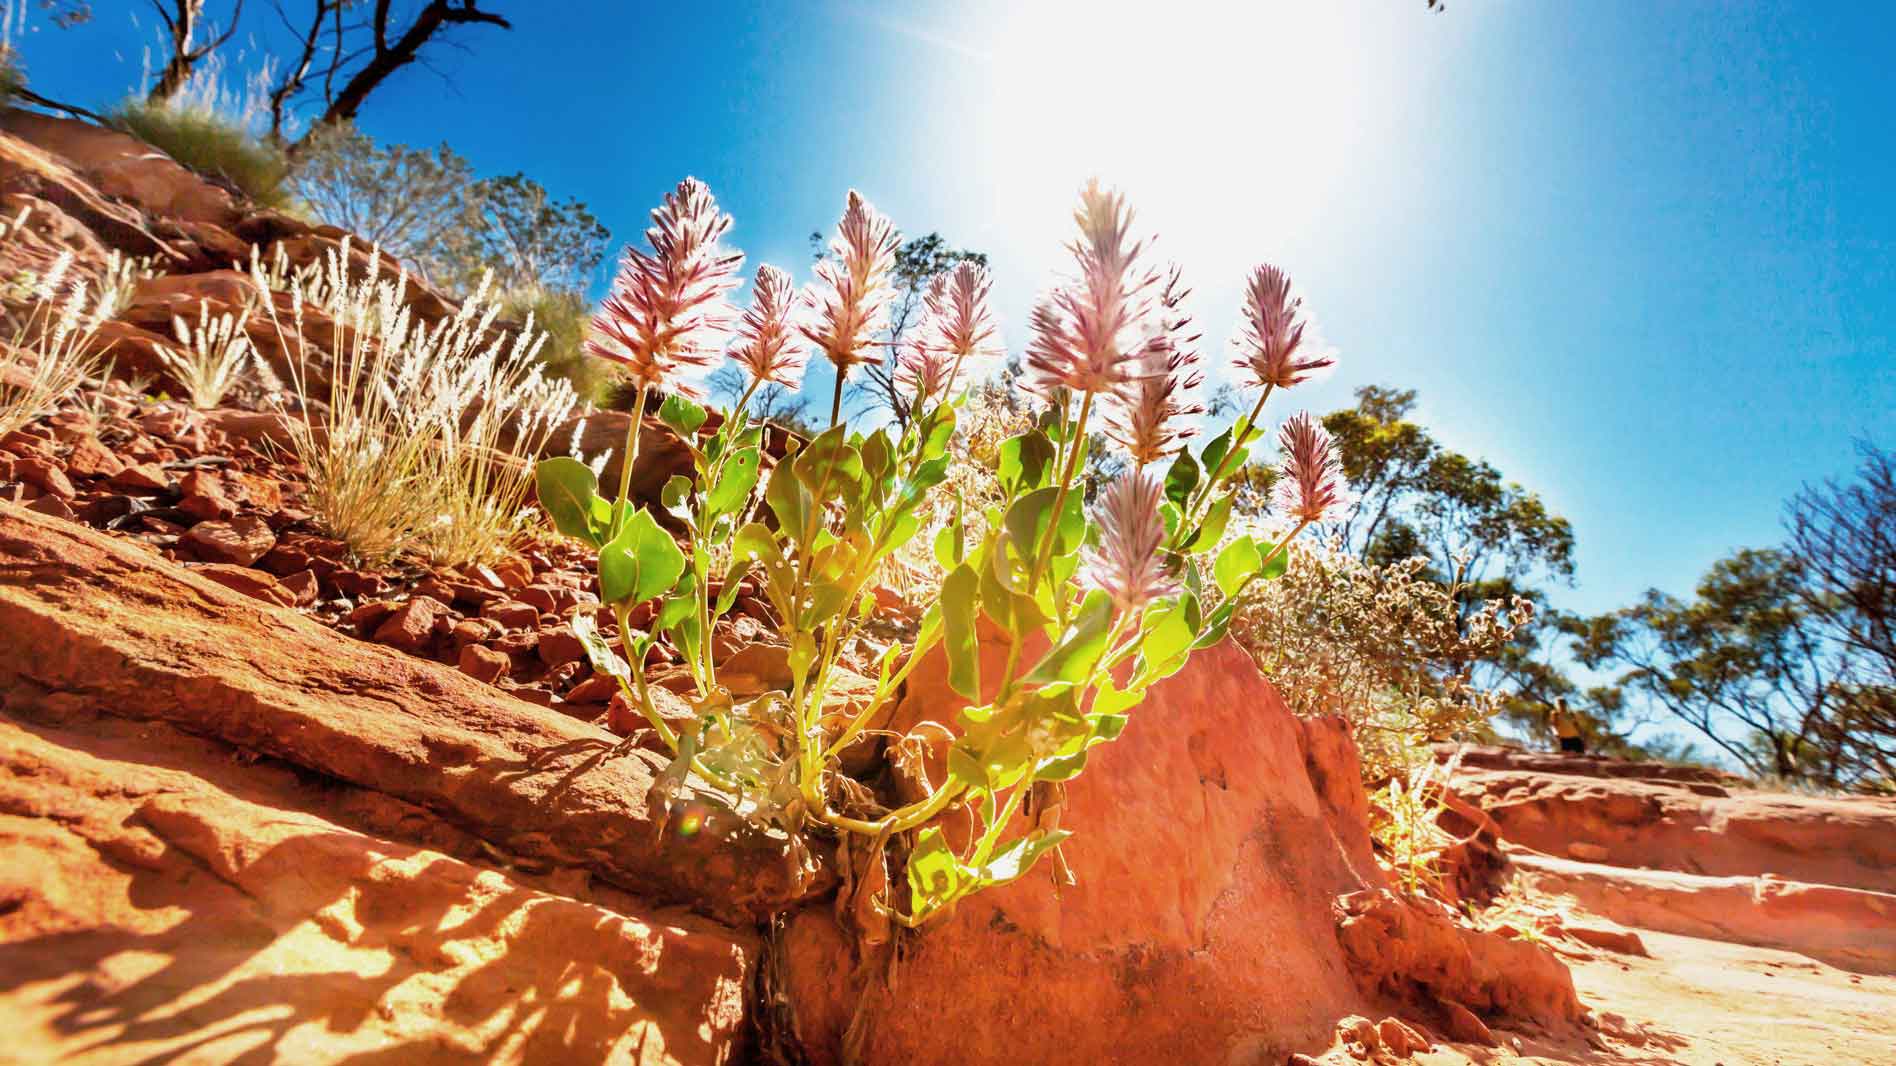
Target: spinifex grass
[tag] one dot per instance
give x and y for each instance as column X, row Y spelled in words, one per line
column 46, row 357
column 1092, row 609
column 414, row 437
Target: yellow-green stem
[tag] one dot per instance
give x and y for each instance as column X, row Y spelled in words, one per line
column 632, row 436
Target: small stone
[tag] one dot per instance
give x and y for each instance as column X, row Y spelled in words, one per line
column 411, row 627
column 282, row 560
column 599, row 688
column 474, row 631
column 514, row 573
column 357, row 583
column 1586, row 852
column 558, row 647
column 89, row 458
column 519, row 642
column 562, row 675
column 253, row 583
column 369, row 615
column 141, row 478
column 304, row 585
column 44, row 476
column 52, row 506
column 511, row 613
column 484, row 663
column 542, row 598
column 204, row 496
column 241, row 541
column 1401, row 1039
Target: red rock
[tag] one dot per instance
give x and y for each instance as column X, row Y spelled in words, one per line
column 303, row 585
column 513, row 572
column 599, row 688
column 366, row 617
column 241, row 540
column 411, row 627
column 471, row 595
column 1464, row 1026
column 253, row 583
column 1401, row 1038
column 204, row 496
column 474, row 631
column 511, row 613
column 283, row 559
column 518, row 642
column 89, row 458
column 541, row 598
column 45, row 476
column 483, row 663
column 559, row 677
column 140, row 478
column 558, row 646
column 358, row 583
column 52, row 506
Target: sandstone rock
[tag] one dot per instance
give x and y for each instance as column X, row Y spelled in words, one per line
column 253, row 583
column 411, row 628
column 53, row 507
column 167, row 902
column 511, row 613
column 204, row 497
column 120, row 633
column 559, row 647
column 125, row 167
column 91, row 459
column 1401, row 1038
column 303, row 585
column 1464, row 1026
column 483, row 663
column 141, row 478
column 1586, row 852
column 1200, row 929
column 45, row 476
column 241, row 540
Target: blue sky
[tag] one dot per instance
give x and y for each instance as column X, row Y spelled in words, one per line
column 1638, row 255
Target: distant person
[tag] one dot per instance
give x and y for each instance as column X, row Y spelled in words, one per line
column 1567, row 728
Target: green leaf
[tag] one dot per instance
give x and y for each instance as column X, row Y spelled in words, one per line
column 1182, row 478
column 1236, row 565
column 1026, row 462
column 568, row 490
column 1215, row 626
column 1018, row 857
column 1078, row 651
column 1278, row 566
column 959, row 592
column 603, row 658
column 735, row 482
column 1028, row 518
column 950, row 546
column 788, row 500
column 681, row 416
column 1212, row 529
column 934, row 874
column 641, row 562
column 1166, row 637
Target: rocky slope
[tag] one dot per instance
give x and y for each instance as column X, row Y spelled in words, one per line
column 258, row 805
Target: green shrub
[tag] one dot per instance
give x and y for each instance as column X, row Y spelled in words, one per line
column 211, row 145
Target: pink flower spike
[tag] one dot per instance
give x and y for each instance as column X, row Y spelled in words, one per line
column 1146, row 414
column 666, row 316
column 1272, row 344
column 854, row 286
column 1311, row 487
column 1127, row 564
column 960, row 322
column 1090, row 330
column 769, row 346
column 924, row 371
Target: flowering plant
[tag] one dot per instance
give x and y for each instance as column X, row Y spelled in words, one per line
column 1091, row 609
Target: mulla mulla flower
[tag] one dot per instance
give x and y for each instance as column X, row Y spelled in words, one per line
column 1147, row 414
column 1090, row 331
column 1311, row 487
column 667, row 316
column 854, row 287
column 768, row 346
column 923, row 371
column 1127, row 563
column 1271, row 344
column 959, row 321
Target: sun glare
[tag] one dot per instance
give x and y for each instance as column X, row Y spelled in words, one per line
column 1232, row 126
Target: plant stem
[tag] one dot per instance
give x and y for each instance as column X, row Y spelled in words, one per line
column 898, row 821
column 632, row 436
column 1043, row 552
column 836, row 401
column 1238, row 433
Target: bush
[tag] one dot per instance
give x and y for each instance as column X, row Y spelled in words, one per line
column 414, row 437
column 1383, row 646
column 211, row 145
